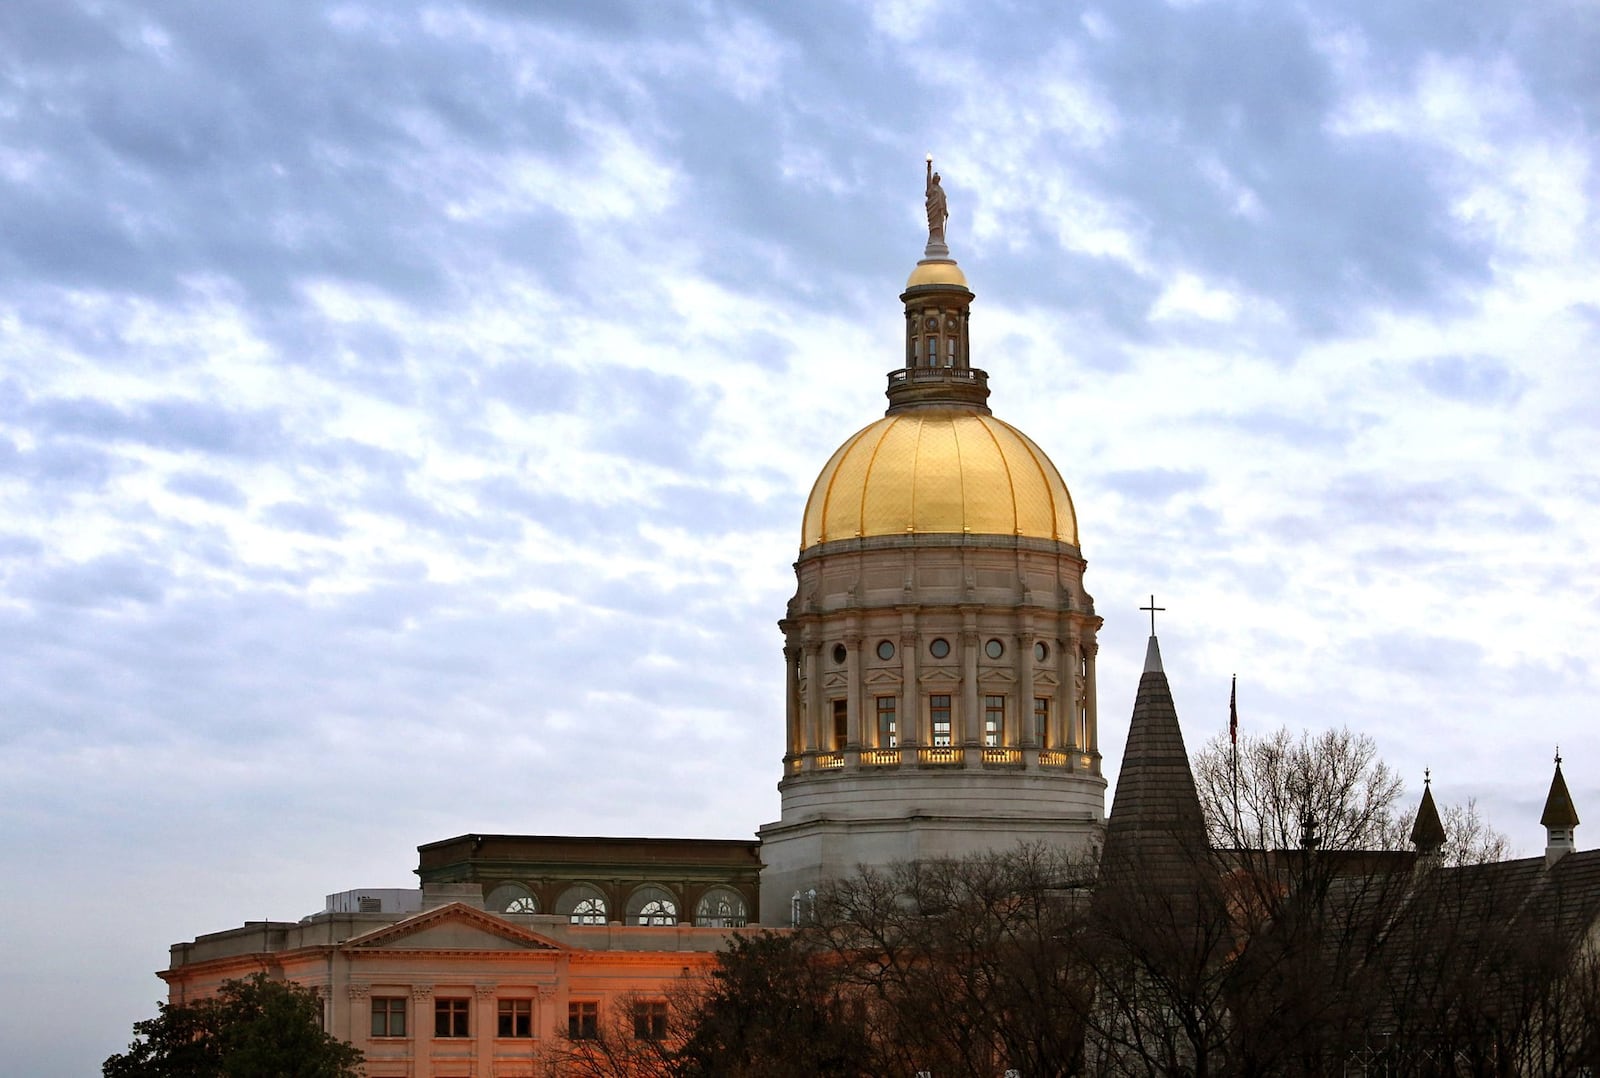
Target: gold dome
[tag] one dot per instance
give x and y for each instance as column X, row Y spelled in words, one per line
column 939, row 470
column 936, row 271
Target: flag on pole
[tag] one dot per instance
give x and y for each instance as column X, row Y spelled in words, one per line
column 1233, row 711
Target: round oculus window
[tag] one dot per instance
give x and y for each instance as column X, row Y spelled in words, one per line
column 885, row 649
column 1041, row 651
column 994, row 649
column 839, row 654
column 940, row 648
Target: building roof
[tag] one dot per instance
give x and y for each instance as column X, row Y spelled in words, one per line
column 949, row 470
column 1156, row 833
column 1558, row 809
column 1427, row 834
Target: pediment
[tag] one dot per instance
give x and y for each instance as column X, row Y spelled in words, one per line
column 939, row 677
column 996, row 677
column 453, row 927
column 835, row 680
column 1047, row 680
column 882, row 677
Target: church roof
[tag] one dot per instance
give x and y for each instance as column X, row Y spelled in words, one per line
column 1558, row 810
column 1156, row 834
column 1427, row 834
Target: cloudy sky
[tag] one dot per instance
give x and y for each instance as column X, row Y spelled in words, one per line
column 406, row 409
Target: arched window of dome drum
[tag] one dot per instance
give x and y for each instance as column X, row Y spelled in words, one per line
column 582, row 905
column 885, row 650
column 940, row 648
column 511, row 898
column 994, row 649
column 721, row 907
column 652, row 905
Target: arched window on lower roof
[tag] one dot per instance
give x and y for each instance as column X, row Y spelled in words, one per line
column 582, row 905
column 511, row 898
column 652, row 905
column 721, row 907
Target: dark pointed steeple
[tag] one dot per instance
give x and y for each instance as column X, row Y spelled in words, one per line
column 1427, row 833
column 1560, row 819
column 1156, row 836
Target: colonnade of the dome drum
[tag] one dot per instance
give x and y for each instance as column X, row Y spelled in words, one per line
column 915, row 682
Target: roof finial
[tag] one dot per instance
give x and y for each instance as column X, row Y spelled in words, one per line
column 1427, row 776
column 1153, row 608
column 938, row 213
column 1558, row 755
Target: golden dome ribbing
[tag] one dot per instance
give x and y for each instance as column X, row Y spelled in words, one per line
column 939, row 470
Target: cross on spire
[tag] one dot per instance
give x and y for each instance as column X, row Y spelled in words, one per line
column 1427, row 776
column 1152, row 608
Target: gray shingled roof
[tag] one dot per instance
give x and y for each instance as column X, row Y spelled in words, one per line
column 1156, row 834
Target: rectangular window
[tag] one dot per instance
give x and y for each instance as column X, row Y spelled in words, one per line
column 887, row 737
column 583, row 1021
column 389, row 1016
column 516, row 1018
column 1041, row 721
column 841, row 724
column 450, row 1017
column 994, row 720
column 650, row 1021
column 939, row 713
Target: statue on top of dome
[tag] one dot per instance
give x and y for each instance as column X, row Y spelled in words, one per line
column 938, row 212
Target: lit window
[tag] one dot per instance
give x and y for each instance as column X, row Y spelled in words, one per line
column 450, row 1017
column 388, row 1016
column 650, row 1021
column 720, row 908
column 886, row 730
column 1041, row 720
column 994, row 720
column 841, row 724
column 583, row 1021
column 516, row 1018
column 939, row 712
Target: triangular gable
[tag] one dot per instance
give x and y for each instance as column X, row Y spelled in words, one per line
column 882, row 677
column 835, row 680
column 453, row 927
column 996, row 677
column 939, row 677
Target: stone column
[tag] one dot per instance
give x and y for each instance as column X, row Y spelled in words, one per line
column 1066, row 717
column 852, row 673
column 422, row 1030
column 358, row 1016
column 971, row 713
column 1091, row 732
column 813, row 705
column 1029, row 738
column 909, row 721
column 791, row 697
column 485, row 1023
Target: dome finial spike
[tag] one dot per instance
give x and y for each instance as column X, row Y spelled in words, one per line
column 1427, row 776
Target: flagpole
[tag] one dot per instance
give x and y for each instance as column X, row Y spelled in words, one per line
column 1233, row 738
